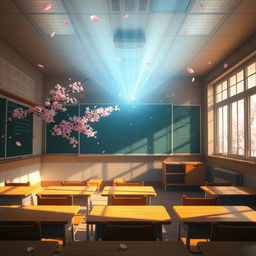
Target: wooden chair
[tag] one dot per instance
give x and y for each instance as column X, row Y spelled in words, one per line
column 73, row 183
column 129, row 232
column 118, row 180
column 19, row 230
column 61, row 200
column 139, row 183
column 198, row 201
column 136, row 200
column 7, row 183
column 199, row 232
column 228, row 232
column 207, row 183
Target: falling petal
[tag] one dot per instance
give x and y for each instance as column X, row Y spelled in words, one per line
column 53, row 34
column 18, row 144
column 185, row 32
column 126, row 16
column 69, row 78
column 133, row 98
column 98, row 143
column 10, row 137
column 173, row 94
column 103, row 151
column 149, row 147
column 193, row 79
column 123, row 246
column 161, row 22
column 118, row 60
column 209, row 62
column 47, row 6
column 40, row 65
column 30, row 249
column 225, row 65
column 120, row 94
column 201, row 5
column 190, row 70
column 94, row 18
column 133, row 106
column 130, row 124
column 148, row 63
column 66, row 22
column 151, row 117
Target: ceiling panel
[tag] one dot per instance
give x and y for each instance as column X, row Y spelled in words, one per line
column 245, row 24
column 16, row 24
column 191, row 43
column 64, row 43
column 164, row 24
column 87, row 6
column 92, row 43
column 8, row 7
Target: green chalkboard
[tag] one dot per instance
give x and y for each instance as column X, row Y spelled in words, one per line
column 19, row 130
column 135, row 129
column 2, row 127
column 58, row 144
column 186, row 129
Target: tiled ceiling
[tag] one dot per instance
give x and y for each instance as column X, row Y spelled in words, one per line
column 160, row 38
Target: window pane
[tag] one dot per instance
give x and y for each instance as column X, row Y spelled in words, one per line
column 222, row 130
column 251, row 69
column 251, row 81
column 252, row 125
column 240, row 76
column 233, row 90
column 233, row 80
column 240, row 86
column 225, row 129
column 234, row 129
column 240, row 125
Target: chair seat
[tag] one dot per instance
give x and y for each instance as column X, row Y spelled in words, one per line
column 78, row 218
column 193, row 244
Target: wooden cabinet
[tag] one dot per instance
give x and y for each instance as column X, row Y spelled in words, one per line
column 183, row 173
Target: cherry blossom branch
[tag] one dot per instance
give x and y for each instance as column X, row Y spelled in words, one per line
column 58, row 97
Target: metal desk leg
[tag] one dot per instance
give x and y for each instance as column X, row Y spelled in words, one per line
column 178, row 231
column 159, row 233
column 188, row 238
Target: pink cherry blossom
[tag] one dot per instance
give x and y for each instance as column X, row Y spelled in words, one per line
column 126, row 16
column 18, row 144
column 47, row 6
column 55, row 102
column 94, row 18
column 148, row 63
column 53, row 34
column 40, row 65
column 190, row 70
column 66, row 22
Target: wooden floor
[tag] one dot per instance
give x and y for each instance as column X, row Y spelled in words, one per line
column 169, row 198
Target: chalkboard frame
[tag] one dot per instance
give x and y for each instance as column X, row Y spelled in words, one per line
column 126, row 154
column 6, row 130
column 200, row 126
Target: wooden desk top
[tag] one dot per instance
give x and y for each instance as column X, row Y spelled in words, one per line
column 182, row 162
column 40, row 213
column 19, row 248
column 129, row 213
column 228, row 248
column 228, row 190
column 68, row 190
column 16, row 190
column 215, row 213
column 129, row 191
column 111, row 248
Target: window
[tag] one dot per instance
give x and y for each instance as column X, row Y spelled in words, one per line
column 235, row 113
column 252, row 125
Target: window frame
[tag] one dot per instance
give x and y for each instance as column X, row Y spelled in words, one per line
column 244, row 95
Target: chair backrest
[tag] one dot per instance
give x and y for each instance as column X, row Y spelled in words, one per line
column 228, row 183
column 73, row 183
column 7, row 183
column 122, row 200
column 227, row 232
column 19, row 230
column 118, row 180
column 198, row 201
column 129, row 232
column 139, row 183
column 54, row 200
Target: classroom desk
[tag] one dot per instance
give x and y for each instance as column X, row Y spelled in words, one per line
column 128, row 213
column 110, row 191
column 53, row 218
column 231, row 195
column 76, row 192
column 227, row 248
column 192, row 216
column 19, row 248
column 110, row 248
column 21, row 195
